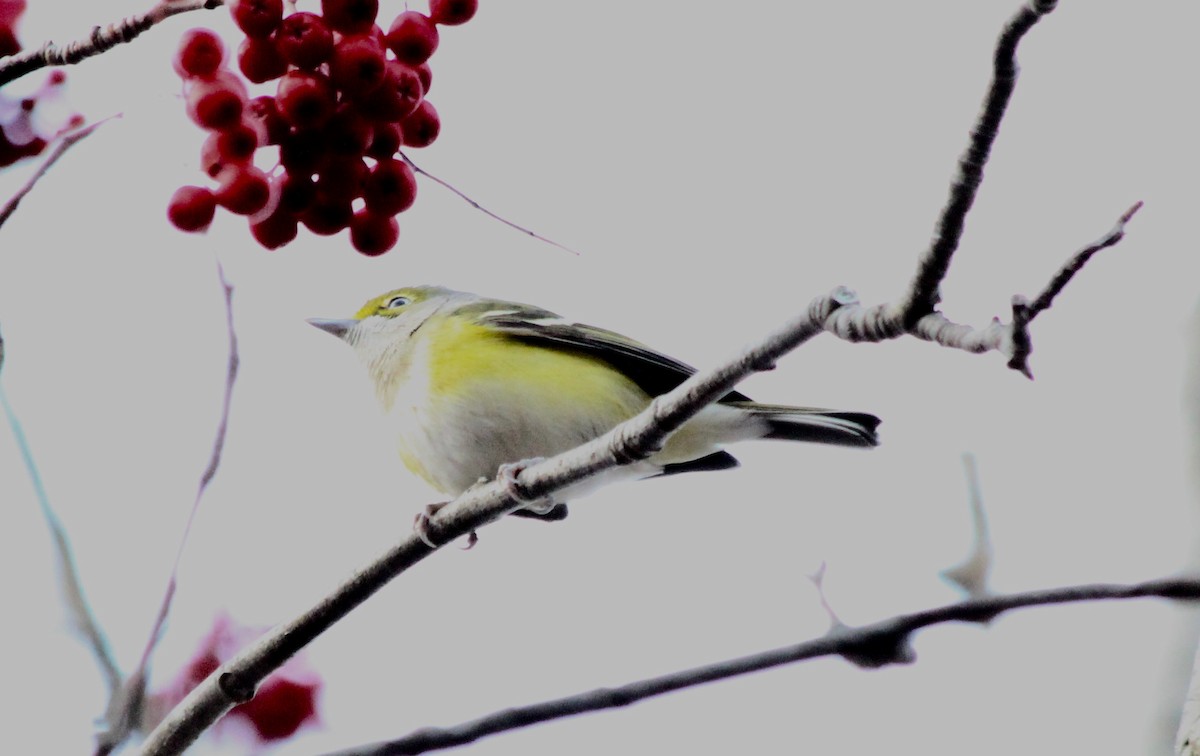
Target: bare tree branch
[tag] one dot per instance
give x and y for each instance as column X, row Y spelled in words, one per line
column 102, row 39
column 874, row 645
column 67, row 142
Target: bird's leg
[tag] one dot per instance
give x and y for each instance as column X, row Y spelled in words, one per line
column 507, row 477
column 421, row 526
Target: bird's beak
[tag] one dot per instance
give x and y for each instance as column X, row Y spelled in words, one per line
column 337, row 328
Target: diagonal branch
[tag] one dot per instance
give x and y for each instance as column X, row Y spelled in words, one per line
column 67, row 142
column 102, row 39
column 873, row 645
column 124, row 712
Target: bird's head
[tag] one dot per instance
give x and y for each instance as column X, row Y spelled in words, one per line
column 380, row 332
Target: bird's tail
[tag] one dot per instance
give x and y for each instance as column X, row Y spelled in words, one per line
column 815, row 425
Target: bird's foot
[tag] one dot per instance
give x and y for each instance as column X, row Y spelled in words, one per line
column 421, row 526
column 507, row 477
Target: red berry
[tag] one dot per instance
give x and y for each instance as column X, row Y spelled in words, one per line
column 347, row 132
column 304, row 40
column 297, row 193
column 373, row 234
column 327, row 216
column 422, row 127
column 191, row 208
column 386, row 141
column 263, row 112
column 350, row 16
column 342, row 178
column 243, row 189
column 412, row 37
column 390, row 187
column 302, row 152
column 216, row 102
column 276, row 230
column 305, row 99
column 358, row 65
column 257, row 18
column 398, row 96
column 425, row 74
column 200, row 53
column 280, row 707
column 452, row 12
column 259, row 60
column 232, row 146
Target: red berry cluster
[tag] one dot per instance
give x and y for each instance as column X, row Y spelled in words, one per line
column 348, row 96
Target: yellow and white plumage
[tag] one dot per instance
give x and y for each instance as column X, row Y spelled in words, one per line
column 469, row 384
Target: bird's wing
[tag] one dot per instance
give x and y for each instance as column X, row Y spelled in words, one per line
column 653, row 372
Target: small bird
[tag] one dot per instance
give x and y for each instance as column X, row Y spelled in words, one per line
column 471, row 385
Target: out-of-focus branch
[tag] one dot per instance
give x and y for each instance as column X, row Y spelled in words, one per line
column 124, row 714
column 78, row 609
column 875, row 645
column 102, row 39
column 65, row 143
column 971, row 575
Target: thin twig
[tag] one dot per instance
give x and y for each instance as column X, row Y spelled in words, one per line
column 877, row 642
column 480, row 207
column 102, row 39
column 78, row 609
column 125, row 712
column 67, row 142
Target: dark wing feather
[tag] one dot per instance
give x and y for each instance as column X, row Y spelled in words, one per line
column 653, row 372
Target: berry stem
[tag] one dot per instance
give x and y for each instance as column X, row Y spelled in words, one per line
column 417, row 169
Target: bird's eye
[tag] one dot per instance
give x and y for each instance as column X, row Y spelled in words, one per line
column 396, row 302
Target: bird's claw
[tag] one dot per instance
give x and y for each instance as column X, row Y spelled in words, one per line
column 421, row 526
column 507, row 477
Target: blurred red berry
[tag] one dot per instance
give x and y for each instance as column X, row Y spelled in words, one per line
column 327, row 216
column 232, row 146
column 259, row 60
column 243, row 189
column 306, row 99
column 216, row 102
column 422, row 127
column 373, row 234
column 191, row 209
column 358, row 65
column 10, row 13
column 390, row 187
column 412, row 37
column 256, row 18
column 350, row 16
column 276, row 230
column 304, row 40
column 200, row 54
column 280, row 707
column 286, row 701
column 452, row 12
column 264, row 113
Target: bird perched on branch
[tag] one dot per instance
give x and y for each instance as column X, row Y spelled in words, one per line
column 471, row 384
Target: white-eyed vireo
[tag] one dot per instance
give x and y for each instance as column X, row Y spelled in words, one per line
column 470, row 384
